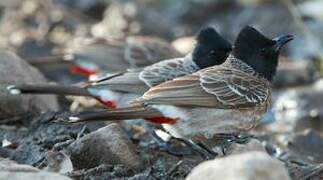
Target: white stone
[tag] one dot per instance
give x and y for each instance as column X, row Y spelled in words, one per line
column 248, row 166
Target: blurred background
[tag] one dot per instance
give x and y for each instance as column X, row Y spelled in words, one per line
column 39, row 29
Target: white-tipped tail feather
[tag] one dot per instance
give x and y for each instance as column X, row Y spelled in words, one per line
column 73, row 119
column 13, row 90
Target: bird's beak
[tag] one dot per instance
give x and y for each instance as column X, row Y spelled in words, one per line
column 281, row 41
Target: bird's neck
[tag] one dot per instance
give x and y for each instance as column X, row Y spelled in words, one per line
column 189, row 65
column 265, row 70
column 235, row 63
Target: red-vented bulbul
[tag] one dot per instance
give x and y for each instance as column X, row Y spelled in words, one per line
column 229, row 98
column 211, row 49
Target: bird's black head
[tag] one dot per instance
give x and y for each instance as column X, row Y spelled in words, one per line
column 258, row 51
column 211, row 49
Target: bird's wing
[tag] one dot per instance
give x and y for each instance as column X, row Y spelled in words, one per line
column 106, row 57
column 143, row 51
column 163, row 71
column 128, row 82
column 218, row 87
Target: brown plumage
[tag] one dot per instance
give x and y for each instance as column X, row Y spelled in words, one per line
column 211, row 49
column 110, row 55
column 229, row 98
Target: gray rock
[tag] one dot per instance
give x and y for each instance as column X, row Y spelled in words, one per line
column 252, row 145
column 14, row 70
column 58, row 162
column 297, row 109
column 9, row 165
column 308, row 145
column 248, row 166
column 8, row 175
column 10, row 170
column 294, row 73
column 108, row 145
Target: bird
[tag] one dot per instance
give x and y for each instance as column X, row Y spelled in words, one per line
column 226, row 99
column 116, row 90
column 95, row 56
column 102, row 55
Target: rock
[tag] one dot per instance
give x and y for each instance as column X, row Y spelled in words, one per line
column 298, row 108
column 311, row 9
column 294, row 73
column 108, row 145
column 252, row 145
column 248, row 166
column 304, row 170
column 9, row 175
column 308, row 144
column 58, row 162
column 9, row 165
column 10, row 170
column 14, row 70
column 184, row 45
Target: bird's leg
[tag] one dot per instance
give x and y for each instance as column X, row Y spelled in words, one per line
column 241, row 138
column 204, row 146
column 236, row 138
column 163, row 145
column 226, row 140
column 203, row 150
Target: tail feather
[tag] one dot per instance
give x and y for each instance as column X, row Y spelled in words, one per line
column 48, row 89
column 112, row 115
column 47, row 60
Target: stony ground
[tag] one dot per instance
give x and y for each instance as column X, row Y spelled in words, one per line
column 289, row 140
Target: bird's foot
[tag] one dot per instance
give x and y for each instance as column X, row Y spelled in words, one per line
column 191, row 147
column 241, row 138
column 235, row 138
column 200, row 148
column 166, row 146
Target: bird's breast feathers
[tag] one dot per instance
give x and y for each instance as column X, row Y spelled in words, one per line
column 208, row 121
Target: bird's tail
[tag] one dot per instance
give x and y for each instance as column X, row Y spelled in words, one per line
column 48, row 89
column 48, row 60
column 129, row 113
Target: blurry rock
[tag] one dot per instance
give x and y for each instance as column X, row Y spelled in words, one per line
column 298, row 109
column 247, row 166
column 14, row 70
column 120, row 19
column 309, row 145
column 10, row 170
column 9, row 165
column 312, row 9
column 91, row 8
column 184, row 44
column 20, row 21
column 21, row 175
column 252, row 145
column 27, row 153
column 264, row 17
column 58, row 162
column 304, row 171
column 108, row 145
column 32, row 49
column 39, row 20
column 294, row 73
